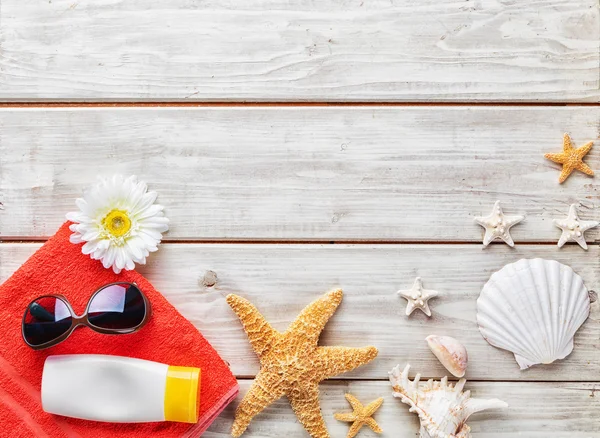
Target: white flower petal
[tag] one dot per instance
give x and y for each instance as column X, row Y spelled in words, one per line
column 119, row 251
column 136, row 195
column 109, row 257
column 158, row 219
column 83, row 206
column 92, row 234
column 73, row 216
column 136, row 187
column 135, row 246
column 150, row 247
column 89, row 247
column 117, row 180
column 129, row 266
column 80, row 228
column 98, row 254
column 146, row 201
column 78, row 217
column 127, row 186
column 120, row 258
column 153, row 234
column 75, row 238
column 152, row 211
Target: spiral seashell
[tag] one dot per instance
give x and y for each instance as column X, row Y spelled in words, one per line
column 443, row 408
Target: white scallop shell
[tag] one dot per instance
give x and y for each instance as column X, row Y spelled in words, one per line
column 533, row 308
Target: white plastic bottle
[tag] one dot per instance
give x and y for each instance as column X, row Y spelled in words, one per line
column 119, row 389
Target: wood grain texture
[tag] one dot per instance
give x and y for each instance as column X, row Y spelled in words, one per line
column 336, row 173
column 282, row 279
column 536, row 410
column 276, row 50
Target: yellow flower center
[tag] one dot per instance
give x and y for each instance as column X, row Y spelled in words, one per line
column 117, row 223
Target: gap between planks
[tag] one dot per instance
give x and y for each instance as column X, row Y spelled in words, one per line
column 127, row 104
column 424, row 378
column 25, row 239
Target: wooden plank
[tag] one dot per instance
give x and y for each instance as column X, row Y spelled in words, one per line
column 328, row 173
column 282, row 279
column 277, row 50
column 536, row 410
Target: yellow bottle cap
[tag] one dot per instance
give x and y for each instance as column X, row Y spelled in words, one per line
column 182, row 394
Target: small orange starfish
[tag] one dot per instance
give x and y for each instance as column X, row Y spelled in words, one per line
column 571, row 159
column 361, row 415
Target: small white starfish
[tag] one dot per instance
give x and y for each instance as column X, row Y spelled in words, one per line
column 418, row 297
column 573, row 228
column 497, row 225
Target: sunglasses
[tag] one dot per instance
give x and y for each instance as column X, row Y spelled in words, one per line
column 114, row 309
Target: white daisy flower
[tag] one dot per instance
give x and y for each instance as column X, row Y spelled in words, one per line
column 119, row 222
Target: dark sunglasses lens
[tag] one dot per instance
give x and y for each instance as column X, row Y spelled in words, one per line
column 47, row 318
column 118, row 307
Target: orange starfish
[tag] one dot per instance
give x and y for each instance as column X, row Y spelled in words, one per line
column 362, row 415
column 571, row 159
column 292, row 363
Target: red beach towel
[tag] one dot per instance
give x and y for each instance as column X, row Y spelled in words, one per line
column 59, row 267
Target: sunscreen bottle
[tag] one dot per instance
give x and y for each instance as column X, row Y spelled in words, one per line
column 119, row 389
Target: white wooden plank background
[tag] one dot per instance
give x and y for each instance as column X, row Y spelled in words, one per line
column 277, row 50
column 536, row 410
column 327, row 173
column 282, row 279
column 399, row 184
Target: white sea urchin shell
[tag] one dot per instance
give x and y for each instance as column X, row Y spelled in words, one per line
column 533, row 308
column 443, row 409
